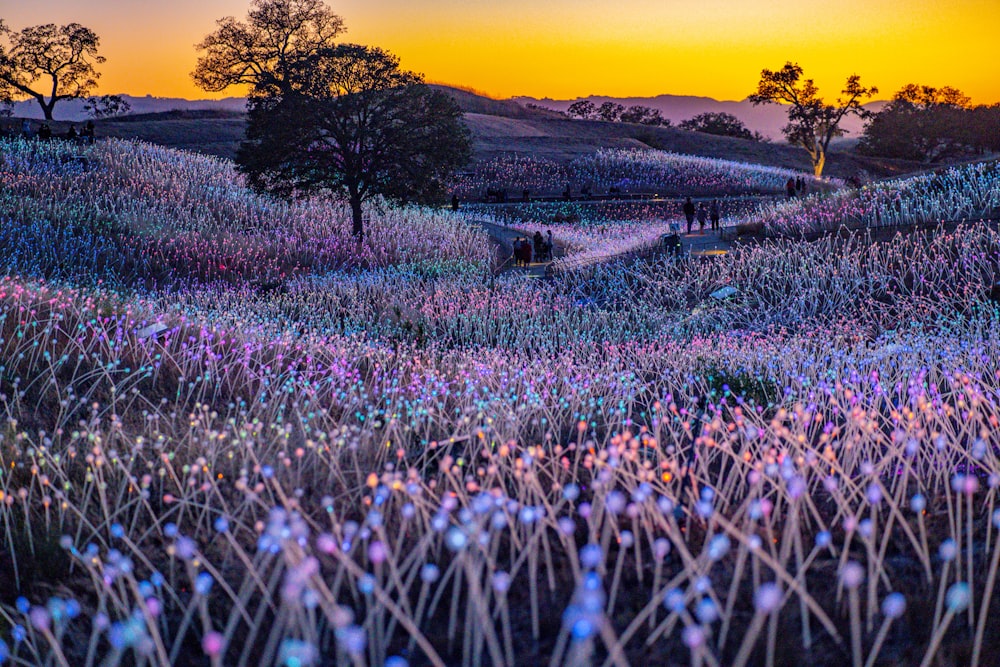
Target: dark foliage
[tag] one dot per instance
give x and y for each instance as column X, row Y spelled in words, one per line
column 930, row 125
column 614, row 112
column 358, row 127
column 106, row 106
column 721, row 124
column 264, row 51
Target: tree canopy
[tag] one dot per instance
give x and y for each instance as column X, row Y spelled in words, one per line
column 106, row 106
column 812, row 123
column 49, row 63
column 930, row 124
column 264, row 51
column 615, row 112
column 721, row 124
column 355, row 125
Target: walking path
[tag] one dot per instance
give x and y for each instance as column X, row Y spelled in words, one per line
column 696, row 245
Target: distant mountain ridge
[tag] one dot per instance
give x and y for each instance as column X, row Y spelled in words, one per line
column 72, row 110
column 768, row 119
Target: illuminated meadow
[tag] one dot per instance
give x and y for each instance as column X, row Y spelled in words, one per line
column 630, row 171
column 233, row 436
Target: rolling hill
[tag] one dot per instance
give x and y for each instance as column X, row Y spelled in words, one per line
column 497, row 126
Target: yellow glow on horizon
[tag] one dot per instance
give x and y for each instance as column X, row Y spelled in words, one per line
column 568, row 49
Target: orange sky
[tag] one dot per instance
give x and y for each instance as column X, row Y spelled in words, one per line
column 570, row 48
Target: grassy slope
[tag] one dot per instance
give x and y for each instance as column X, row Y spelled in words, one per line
column 504, row 126
column 561, row 140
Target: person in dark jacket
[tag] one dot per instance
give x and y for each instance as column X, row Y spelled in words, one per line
column 688, row 209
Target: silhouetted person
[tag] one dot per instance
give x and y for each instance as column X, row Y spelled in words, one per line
column 71, row 133
column 45, row 132
column 713, row 214
column 539, row 243
column 800, row 184
column 702, row 217
column 88, row 132
column 454, row 203
column 525, row 254
column 567, row 193
column 790, row 187
column 526, row 195
column 26, row 128
column 688, row 209
column 550, row 243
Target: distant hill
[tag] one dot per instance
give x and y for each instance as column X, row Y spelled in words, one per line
column 497, row 126
column 561, row 140
column 472, row 102
column 72, row 110
column 768, row 119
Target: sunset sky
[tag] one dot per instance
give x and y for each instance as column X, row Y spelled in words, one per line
column 571, row 48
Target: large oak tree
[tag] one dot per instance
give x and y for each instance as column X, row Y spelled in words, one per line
column 355, row 125
column 49, row 63
column 338, row 118
column 812, row 123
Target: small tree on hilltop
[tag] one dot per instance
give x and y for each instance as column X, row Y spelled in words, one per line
column 720, row 124
column 812, row 123
column 263, row 52
column 610, row 111
column 584, row 109
column 106, row 106
column 355, row 125
column 643, row 115
column 48, row 60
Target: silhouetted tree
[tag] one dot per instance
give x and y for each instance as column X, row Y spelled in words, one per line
column 582, row 109
column 610, row 111
column 922, row 123
column 721, row 124
column 643, row 115
column 263, row 52
column 353, row 124
column 812, row 123
column 982, row 127
column 106, row 106
column 56, row 59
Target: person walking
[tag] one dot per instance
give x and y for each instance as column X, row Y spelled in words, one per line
column 454, row 203
column 713, row 214
column 688, row 209
column 702, row 217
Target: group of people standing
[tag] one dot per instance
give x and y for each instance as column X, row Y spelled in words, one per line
column 795, row 186
column 539, row 246
column 703, row 213
column 84, row 136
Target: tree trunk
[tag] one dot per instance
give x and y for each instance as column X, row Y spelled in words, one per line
column 819, row 161
column 47, row 108
column 358, row 228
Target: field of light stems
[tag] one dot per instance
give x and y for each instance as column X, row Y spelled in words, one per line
column 407, row 461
